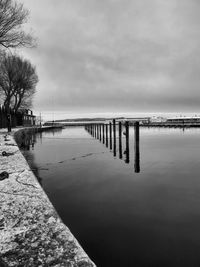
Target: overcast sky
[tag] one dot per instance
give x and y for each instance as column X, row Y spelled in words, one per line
column 116, row 55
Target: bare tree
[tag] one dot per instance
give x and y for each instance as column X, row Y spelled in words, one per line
column 18, row 81
column 7, row 79
column 12, row 17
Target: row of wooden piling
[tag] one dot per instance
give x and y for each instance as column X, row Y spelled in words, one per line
column 107, row 134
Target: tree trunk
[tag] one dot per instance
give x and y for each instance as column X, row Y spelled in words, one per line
column 8, row 117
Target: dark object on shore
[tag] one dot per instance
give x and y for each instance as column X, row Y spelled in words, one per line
column 6, row 138
column 6, row 154
column 4, row 175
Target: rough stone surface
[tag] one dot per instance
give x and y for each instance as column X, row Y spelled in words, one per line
column 31, row 232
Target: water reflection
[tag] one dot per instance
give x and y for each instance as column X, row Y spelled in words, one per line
column 101, row 133
column 137, row 148
column 110, row 210
column 114, row 138
column 26, row 142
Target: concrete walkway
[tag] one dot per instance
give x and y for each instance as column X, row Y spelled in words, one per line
column 31, row 232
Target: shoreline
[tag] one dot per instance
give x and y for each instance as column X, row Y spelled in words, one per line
column 31, row 231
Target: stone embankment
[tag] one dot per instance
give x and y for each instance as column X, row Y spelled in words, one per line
column 31, row 232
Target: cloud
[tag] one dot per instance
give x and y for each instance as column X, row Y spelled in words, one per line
column 116, row 54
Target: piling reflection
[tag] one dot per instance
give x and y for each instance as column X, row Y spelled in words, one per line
column 114, row 138
column 120, row 140
column 137, row 147
column 107, row 134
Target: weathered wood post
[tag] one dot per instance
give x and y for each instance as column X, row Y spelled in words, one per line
column 97, row 131
column 103, row 125
column 110, row 124
column 127, row 160
column 120, row 140
column 137, row 147
column 106, row 135
column 100, row 131
column 114, row 137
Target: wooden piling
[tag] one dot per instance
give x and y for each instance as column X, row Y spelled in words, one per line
column 114, row 137
column 106, row 135
column 137, row 147
column 120, row 140
column 100, row 131
column 127, row 160
column 103, row 126
column 110, row 128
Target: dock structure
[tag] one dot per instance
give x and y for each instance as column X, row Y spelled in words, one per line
column 177, row 122
column 109, row 132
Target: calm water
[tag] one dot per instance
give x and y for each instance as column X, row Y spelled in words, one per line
column 145, row 213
